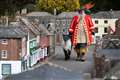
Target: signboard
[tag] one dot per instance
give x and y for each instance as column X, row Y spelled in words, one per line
column 36, row 53
column 33, row 45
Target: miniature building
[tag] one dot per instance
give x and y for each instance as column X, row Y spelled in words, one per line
column 10, row 50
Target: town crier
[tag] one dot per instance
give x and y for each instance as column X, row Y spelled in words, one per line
column 81, row 29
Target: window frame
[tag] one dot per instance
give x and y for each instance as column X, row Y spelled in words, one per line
column 4, row 41
column 3, row 66
column 105, row 21
column 96, row 22
column 4, row 52
column 105, row 29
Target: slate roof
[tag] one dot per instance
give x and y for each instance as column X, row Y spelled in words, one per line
column 11, row 32
column 34, row 26
column 68, row 14
column 39, row 14
column 100, row 14
column 46, row 72
column 43, row 29
column 106, row 14
column 26, row 22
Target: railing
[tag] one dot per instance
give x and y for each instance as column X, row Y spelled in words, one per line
column 101, row 62
column 111, row 41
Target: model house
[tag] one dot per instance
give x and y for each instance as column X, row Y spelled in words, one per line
column 10, row 50
column 104, row 19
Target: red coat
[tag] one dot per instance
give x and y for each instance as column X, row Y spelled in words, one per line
column 87, row 25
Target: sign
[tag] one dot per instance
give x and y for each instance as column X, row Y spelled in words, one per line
column 33, row 45
column 38, row 55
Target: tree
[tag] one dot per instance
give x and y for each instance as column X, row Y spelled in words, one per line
column 9, row 7
column 59, row 5
column 29, row 7
column 103, row 4
column 72, row 5
column 6, row 7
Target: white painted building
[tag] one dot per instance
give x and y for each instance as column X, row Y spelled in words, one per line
column 101, row 25
column 10, row 50
column 9, row 67
column 102, row 20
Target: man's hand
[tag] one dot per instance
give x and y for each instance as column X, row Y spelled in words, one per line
column 93, row 32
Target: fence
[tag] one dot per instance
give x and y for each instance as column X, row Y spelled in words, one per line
column 101, row 63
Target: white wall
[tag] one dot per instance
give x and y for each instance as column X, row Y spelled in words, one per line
column 101, row 25
column 15, row 66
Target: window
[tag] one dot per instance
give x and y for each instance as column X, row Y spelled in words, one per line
column 96, row 29
column 4, row 54
column 97, row 38
column 96, row 21
column 4, row 41
column 64, row 30
column 43, row 22
column 105, row 21
column 6, row 69
column 105, row 30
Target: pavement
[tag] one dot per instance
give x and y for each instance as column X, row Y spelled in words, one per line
column 84, row 67
column 47, row 71
column 72, row 64
column 56, row 68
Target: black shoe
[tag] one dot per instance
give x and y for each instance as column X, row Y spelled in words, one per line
column 82, row 60
column 79, row 59
column 67, row 57
column 67, row 54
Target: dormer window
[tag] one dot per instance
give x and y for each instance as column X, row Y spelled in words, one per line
column 96, row 21
column 4, row 41
column 106, row 21
column 105, row 30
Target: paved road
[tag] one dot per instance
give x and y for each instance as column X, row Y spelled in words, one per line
column 59, row 69
column 72, row 64
column 83, row 67
column 48, row 71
